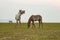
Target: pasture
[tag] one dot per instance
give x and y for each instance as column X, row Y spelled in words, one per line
column 50, row 31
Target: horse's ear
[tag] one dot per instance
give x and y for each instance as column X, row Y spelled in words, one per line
column 20, row 10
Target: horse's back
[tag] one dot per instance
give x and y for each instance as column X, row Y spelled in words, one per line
column 35, row 17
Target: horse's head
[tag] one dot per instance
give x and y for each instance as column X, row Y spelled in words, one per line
column 22, row 11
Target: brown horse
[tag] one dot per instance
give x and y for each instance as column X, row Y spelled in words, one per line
column 35, row 18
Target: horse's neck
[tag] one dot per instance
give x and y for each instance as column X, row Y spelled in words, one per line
column 29, row 21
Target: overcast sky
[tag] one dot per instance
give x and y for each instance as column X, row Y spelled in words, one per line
column 48, row 9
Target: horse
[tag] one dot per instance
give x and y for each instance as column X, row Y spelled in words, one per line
column 35, row 18
column 18, row 16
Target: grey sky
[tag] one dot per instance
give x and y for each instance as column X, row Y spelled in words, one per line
column 49, row 9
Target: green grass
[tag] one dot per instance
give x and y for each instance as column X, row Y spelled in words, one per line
column 50, row 31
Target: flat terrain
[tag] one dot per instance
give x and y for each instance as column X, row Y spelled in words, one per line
column 50, row 31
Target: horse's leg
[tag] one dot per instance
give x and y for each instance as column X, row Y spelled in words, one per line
column 39, row 23
column 19, row 23
column 16, row 23
column 33, row 24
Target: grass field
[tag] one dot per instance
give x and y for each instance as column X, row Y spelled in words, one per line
column 50, row 31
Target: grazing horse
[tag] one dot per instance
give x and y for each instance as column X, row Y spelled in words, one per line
column 35, row 18
column 18, row 16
